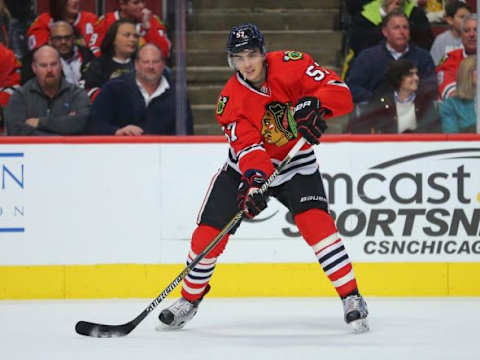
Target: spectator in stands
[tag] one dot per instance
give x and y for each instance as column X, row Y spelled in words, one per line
column 74, row 58
column 368, row 69
column 149, row 26
column 433, row 9
column 447, row 69
column 398, row 106
column 139, row 103
column 366, row 27
column 23, row 16
column 354, row 7
column 4, row 23
column 47, row 104
column 451, row 39
column 118, row 52
column 68, row 10
column 458, row 113
column 9, row 77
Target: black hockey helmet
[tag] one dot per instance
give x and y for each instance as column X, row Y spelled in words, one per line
column 245, row 36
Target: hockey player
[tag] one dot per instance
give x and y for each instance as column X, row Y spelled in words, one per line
column 254, row 109
column 149, row 26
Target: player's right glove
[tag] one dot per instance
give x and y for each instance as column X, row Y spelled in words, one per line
column 308, row 116
column 249, row 199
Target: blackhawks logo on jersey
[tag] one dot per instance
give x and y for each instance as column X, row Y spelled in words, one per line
column 221, row 104
column 292, row 55
column 278, row 126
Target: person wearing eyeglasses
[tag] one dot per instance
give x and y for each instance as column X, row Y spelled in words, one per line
column 74, row 58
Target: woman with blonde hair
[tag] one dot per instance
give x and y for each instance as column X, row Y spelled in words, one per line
column 457, row 113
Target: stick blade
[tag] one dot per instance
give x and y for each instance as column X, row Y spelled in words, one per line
column 102, row 331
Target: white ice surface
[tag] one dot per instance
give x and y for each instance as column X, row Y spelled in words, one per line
column 228, row 329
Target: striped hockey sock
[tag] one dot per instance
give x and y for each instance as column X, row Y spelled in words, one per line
column 195, row 283
column 319, row 231
column 333, row 258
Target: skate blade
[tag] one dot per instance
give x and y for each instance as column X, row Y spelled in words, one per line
column 359, row 326
column 164, row 327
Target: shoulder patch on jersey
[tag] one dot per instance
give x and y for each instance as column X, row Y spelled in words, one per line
column 442, row 60
column 221, row 104
column 100, row 19
column 292, row 55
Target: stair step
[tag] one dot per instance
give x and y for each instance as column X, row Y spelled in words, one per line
column 310, row 40
column 203, row 94
column 270, row 4
column 265, row 19
column 208, row 74
column 200, row 57
column 204, row 120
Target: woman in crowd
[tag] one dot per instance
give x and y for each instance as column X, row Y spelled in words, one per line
column 457, row 113
column 398, row 106
column 83, row 23
column 118, row 51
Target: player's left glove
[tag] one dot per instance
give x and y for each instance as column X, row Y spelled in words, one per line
column 308, row 116
column 249, row 199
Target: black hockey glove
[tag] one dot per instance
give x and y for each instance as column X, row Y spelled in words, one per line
column 309, row 118
column 249, row 199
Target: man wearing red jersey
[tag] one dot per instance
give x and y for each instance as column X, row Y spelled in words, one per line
column 259, row 108
column 149, row 26
column 448, row 66
column 83, row 23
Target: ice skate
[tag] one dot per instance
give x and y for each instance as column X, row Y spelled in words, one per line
column 355, row 309
column 179, row 313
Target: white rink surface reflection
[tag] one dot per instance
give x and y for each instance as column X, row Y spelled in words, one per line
column 250, row 328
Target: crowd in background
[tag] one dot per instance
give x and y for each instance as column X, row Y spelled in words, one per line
column 69, row 72
column 410, row 65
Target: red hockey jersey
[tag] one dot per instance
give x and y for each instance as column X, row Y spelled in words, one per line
column 256, row 122
column 39, row 32
column 157, row 33
column 9, row 74
column 447, row 72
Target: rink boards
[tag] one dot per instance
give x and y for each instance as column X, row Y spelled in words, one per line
column 106, row 217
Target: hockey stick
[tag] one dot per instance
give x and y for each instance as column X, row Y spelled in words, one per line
column 106, row 331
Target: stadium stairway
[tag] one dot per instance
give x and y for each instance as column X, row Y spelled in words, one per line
column 307, row 25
